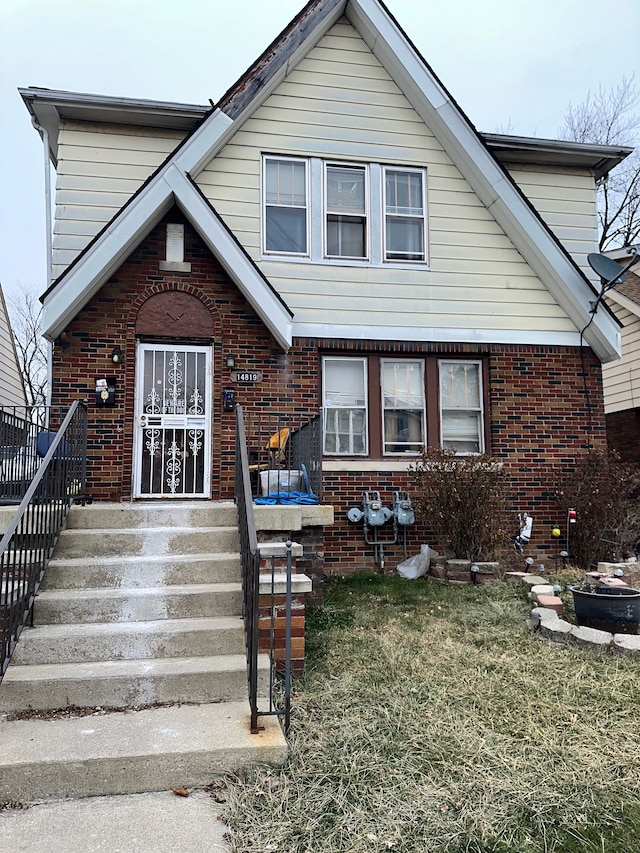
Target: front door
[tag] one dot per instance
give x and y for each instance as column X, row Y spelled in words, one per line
column 172, row 451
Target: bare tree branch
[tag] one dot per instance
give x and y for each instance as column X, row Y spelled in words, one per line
column 610, row 117
column 26, row 322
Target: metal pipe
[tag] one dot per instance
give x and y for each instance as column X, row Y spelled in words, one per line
column 47, row 196
column 48, row 238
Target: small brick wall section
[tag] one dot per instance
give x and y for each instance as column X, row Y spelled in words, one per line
column 623, row 434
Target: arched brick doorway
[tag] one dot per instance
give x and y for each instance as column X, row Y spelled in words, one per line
column 173, row 414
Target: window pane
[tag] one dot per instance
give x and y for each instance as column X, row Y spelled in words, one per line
column 461, row 431
column 402, row 384
column 344, row 382
column 403, row 431
column 286, row 229
column 460, row 385
column 405, row 239
column 345, row 189
column 404, row 193
column 285, row 183
column 346, row 236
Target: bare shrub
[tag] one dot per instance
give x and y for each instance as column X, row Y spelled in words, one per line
column 604, row 492
column 463, row 501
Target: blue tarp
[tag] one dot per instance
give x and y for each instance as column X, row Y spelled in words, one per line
column 287, row 498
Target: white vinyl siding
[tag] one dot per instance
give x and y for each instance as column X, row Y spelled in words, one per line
column 11, row 387
column 566, row 201
column 621, row 379
column 340, row 105
column 461, row 416
column 99, row 168
column 344, row 385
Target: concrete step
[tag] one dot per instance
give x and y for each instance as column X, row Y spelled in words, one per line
column 128, row 683
column 57, row 606
column 147, row 542
column 131, row 752
column 101, row 641
column 140, row 515
column 137, row 572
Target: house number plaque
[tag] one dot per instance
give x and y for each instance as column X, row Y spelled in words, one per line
column 246, row 377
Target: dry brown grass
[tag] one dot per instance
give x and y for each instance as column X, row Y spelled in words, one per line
column 431, row 720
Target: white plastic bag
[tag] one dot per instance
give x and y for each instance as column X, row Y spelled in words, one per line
column 418, row 566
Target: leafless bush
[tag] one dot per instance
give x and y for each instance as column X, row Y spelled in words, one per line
column 463, row 501
column 604, row 491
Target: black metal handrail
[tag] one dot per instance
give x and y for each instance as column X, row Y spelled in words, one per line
column 30, row 537
column 250, row 562
column 285, row 452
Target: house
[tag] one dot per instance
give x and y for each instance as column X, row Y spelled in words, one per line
column 337, row 225
column 12, row 391
column 621, row 379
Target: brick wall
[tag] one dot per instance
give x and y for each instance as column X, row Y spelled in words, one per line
column 109, row 319
column 539, row 413
column 623, row 434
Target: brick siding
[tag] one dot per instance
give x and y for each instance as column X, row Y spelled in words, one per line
column 538, row 409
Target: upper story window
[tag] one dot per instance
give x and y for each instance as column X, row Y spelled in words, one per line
column 405, row 225
column 344, row 213
column 346, row 206
column 285, row 206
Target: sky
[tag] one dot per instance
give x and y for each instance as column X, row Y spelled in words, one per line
column 513, row 66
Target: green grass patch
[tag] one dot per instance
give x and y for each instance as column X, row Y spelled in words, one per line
column 430, row 719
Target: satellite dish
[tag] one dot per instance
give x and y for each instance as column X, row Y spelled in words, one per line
column 609, row 270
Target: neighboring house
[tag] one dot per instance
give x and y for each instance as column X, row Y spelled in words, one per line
column 11, row 384
column 337, row 224
column 621, row 379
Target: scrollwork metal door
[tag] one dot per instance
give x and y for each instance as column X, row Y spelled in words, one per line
column 172, row 454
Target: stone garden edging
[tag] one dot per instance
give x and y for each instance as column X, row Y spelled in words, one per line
column 548, row 622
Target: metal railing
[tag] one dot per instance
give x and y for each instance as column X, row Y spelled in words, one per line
column 285, row 453
column 31, row 535
column 20, row 427
column 250, row 561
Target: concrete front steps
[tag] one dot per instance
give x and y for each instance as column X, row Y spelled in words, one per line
column 141, row 606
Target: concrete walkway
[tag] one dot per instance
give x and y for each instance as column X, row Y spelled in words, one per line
column 135, row 823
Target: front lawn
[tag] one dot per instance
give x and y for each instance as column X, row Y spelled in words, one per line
column 430, row 719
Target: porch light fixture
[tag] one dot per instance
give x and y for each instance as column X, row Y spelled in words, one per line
column 117, row 356
column 231, row 360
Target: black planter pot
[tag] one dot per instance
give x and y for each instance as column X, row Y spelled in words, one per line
column 613, row 609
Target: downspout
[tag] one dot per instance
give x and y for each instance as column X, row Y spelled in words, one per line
column 49, row 260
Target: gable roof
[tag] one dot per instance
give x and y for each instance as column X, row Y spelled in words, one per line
column 455, row 133
column 627, row 294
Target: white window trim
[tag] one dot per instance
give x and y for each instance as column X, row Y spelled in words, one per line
column 330, row 409
column 271, row 253
column 404, row 361
column 316, row 216
column 425, row 242
column 479, row 409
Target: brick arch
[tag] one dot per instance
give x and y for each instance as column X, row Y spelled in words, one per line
column 176, row 313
